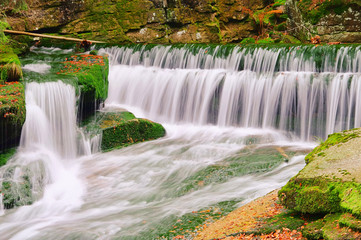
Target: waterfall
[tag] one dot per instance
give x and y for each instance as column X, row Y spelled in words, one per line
column 50, row 143
column 308, row 91
column 51, row 119
column 230, row 112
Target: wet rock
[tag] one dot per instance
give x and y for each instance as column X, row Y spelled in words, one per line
column 330, row 182
column 120, row 129
column 331, row 20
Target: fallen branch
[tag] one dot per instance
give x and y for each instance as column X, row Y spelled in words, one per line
column 48, row 36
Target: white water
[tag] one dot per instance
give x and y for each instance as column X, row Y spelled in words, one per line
column 37, row 67
column 212, row 111
column 276, row 90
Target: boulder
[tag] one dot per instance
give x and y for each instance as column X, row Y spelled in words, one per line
column 120, row 129
column 330, row 182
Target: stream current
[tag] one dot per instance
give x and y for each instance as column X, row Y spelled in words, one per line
column 239, row 123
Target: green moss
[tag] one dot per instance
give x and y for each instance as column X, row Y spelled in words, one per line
column 314, row 12
column 316, row 200
column 10, row 69
column 265, row 41
column 348, row 220
column 3, row 25
column 321, row 196
column 280, row 221
column 6, row 155
column 248, row 40
column 312, row 196
column 351, row 198
column 331, row 229
column 129, row 132
column 15, row 6
column 314, row 230
column 332, row 140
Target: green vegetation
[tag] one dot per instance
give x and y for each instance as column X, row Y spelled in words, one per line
column 12, row 113
column 347, row 220
column 91, row 72
column 3, row 26
column 282, row 220
column 10, row 69
column 6, row 155
column 315, row 10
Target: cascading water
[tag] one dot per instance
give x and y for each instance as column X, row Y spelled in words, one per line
column 282, row 88
column 50, row 120
column 235, row 120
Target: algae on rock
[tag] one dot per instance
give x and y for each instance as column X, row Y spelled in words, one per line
column 120, row 129
column 330, row 183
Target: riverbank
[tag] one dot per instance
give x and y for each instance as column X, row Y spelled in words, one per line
column 320, row 202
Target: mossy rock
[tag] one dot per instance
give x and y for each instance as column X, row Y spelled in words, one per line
column 330, row 182
column 314, row 230
column 90, row 73
column 12, row 113
column 331, row 226
column 120, row 129
column 282, row 220
column 6, row 155
column 129, row 132
column 348, row 220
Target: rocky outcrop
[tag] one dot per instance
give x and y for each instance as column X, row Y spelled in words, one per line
column 185, row 21
column 330, row 183
column 333, row 21
column 156, row 21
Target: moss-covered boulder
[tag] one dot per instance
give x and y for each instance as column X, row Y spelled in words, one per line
column 330, row 183
column 90, row 74
column 12, row 113
column 120, row 129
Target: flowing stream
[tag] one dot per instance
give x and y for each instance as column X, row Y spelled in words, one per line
column 239, row 122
